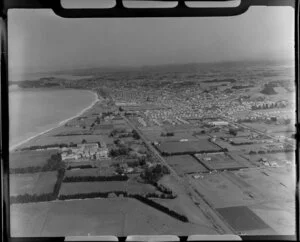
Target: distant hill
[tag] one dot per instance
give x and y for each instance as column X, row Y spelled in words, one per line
column 231, row 80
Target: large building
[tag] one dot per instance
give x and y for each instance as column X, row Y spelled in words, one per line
column 218, row 123
column 90, row 151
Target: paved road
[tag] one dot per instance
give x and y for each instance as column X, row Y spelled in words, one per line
column 257, row 131
column 217, row 220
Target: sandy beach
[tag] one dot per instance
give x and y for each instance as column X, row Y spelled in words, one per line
column 15, row 146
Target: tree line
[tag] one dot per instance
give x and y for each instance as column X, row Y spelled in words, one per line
column 164, row 153
column 140, row 198
column 53, row 163
column 37, row 147
column 95, row 178
column 28, row 198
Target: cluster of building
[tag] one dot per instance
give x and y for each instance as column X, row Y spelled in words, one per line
column 192, row 102
column 91, row 151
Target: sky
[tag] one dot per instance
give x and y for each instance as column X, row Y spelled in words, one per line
column 41, row 41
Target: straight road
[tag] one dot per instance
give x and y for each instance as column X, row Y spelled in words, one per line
column 257, row 131
column 216, row 219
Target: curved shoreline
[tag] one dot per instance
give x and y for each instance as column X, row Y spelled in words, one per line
column 13, row 147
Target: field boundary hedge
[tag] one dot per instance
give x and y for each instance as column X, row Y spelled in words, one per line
column 27, row 198
column 161, row 208
column 95, row 178
column 80, row 167
column 53, row 163
column 192, row 152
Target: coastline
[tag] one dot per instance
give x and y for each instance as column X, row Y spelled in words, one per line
column 96, row 100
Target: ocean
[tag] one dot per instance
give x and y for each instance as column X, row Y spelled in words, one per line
column 33, row 111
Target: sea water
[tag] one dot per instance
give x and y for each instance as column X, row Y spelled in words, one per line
column 33, row 111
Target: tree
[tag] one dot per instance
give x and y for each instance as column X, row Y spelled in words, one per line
column 233, row 132
column 83, row 141
column 153, row 174
column 142, row 161
column 97, row 121
column 135, row 134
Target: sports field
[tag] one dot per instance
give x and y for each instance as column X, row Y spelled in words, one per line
column 173, row 148
column 219, row 161
column 185, row 164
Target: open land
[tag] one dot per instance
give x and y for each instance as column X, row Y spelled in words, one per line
column 29, row 158
column 185, row 164
column 219, row 162
column 117, row 216
column 36, row 183
column 111, row 186
column 187, row 147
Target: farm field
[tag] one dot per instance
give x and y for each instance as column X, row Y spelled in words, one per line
column 245, row 148
column 76, row 139
column 110, row 186
column 222, row 192
column 32, row 183
column 82, row 172
column 24, row 159
column 178, row 136
column 260, row 192
column 219, row 161
column 67, row 129
column 281, row 219
column 104, row 126
column 155, row 135
column 187, row 204
column 185, row 164
column 271, row 128
column 280, row 158
column 243, row 220
column 152, row 134
column 117, row 216
column 274, row 183
column 187, row 146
